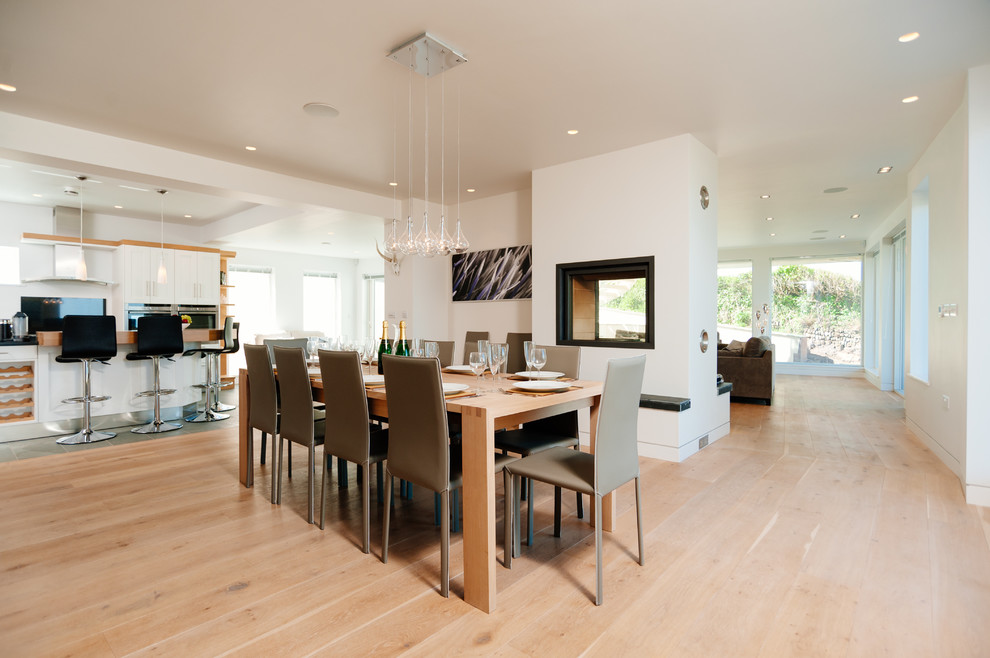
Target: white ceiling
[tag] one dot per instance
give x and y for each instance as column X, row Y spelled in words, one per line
column 794, row 97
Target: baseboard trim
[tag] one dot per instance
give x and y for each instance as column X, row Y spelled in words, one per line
column 944, row 455
column 977, row 494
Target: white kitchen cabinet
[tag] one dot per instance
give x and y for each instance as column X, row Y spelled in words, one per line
column 197, row 278
column 137, row 272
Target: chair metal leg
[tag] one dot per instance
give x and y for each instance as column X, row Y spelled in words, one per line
column 275, row 468
column 312, row 465
column 529, row 513
column 157, row 425
column 388, row 509
column 278, row 470
column 639, row 526
column 208, row 415
column 516, row 515
column 598, row 549
column 323, row 490
column 445, row 544
column 507, row 539
column 556, row 511
column 86, row 434
column 366, row 506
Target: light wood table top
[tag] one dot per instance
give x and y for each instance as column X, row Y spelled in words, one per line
column 480, row 417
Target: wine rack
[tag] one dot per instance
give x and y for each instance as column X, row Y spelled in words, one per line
column 16, row 392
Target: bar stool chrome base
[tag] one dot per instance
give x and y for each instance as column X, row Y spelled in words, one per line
column 206, row 416
column 220, row 406
column 85, row 436
column 156, row 427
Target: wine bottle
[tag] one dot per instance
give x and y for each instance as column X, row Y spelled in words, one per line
column 383, row 347
column 402, row 345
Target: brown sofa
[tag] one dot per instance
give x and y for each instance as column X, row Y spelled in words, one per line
column 749, row 369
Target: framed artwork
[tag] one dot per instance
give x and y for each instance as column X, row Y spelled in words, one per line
column 494, row 274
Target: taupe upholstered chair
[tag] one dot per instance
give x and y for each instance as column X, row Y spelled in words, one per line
column 517, row 360
column 302, row 343
column 350, row 435
column 616, row 459
column 419, row 450
column 560, row 430
column 263, row 415
column 446, row 355
column 471, row 339
column 297, row 422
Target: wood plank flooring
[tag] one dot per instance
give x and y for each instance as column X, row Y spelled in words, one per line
column 819, row 526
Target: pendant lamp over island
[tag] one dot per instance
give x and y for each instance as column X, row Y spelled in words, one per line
column 81, row 272
column 162, row 272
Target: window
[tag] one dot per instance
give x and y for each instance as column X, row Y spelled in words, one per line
column 252, row 299
column 817, row 309
column 321, row 303
column 375, row 302
column 10, row 268
column 606, row 303
column 735, row 301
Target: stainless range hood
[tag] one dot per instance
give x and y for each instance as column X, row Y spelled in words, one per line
column 55, row 261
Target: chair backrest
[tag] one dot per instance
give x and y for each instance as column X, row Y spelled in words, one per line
column 563, row 358
column 159, row 335
column 446, row 352
column 418, row 449
column 616, row 453
column 229, row 335
column 264, row 395
column 272, row 343
column 296, row 392
column 89, row 337
column 235, row 343
column 471, row 339
column 347, row 433
column 517, row 360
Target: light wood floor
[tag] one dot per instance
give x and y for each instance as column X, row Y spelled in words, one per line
column 819, row 526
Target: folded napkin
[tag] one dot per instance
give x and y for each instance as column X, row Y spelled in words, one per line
column 460, row 394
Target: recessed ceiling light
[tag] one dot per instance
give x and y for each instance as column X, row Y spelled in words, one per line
column 8, row 87
column 393, row 184
column 773, row 235
column 835, row 190
column 884, row 170
column 842, row 236
column 764, row 196
column 321, row 110
column 910, row 36
column 329, row 232
column 119, row 207
column 471, row 189
column 572, row 132
column 37, row 195
column 909, row 99
column 854, row 216
column 250, row 148
column 188, row 216
column 769, row 219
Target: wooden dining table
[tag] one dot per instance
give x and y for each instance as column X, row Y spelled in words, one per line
column 481, row 416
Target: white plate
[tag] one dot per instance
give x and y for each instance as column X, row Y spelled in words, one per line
column 542, row 386
column 313, row 372
column 454, row 388
column 374, row 379
column 459, row 369
column 541, row 374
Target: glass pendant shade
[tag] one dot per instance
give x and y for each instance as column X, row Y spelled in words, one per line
column 425, row 242
column 461, row 243
column 445, row 244
column 162, row 272
column 407, row 244
column 81, row 266
column 392, row 239
column 81, row 272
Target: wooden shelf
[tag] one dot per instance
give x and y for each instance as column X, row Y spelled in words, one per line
column 14, row 404
column 26, row 388
column 16, row 418
column 26, row 371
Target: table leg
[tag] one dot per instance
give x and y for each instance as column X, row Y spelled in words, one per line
column 245, row 452
column 608, row 501
column 478, row 437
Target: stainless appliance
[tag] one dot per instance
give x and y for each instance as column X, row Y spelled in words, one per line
column 203, row 317
column 19, row 325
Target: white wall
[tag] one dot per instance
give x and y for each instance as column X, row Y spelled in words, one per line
column 641, row 201
column 978, row 300
column 944, row 164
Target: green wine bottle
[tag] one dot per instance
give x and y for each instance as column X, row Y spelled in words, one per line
column 402, row 345
column 383, row 347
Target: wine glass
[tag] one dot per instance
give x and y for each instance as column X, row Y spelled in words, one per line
column 528, row 354
column 539, row 358
column 496, row 359
column 417, row 347
column 432, row 349
column 478, row 361
column 370, row 351
column 483, row 347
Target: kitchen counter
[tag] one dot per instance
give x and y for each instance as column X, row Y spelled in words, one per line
column 54, row 338
column 14, row 343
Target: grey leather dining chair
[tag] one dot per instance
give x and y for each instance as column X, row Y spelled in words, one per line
column 272, row 343
column 615, row 461
column 516, row 361
column 419, row 450
column 297, row 421
column 263, row 414
column 349, row 435
column 535, row 436
column 471, row 339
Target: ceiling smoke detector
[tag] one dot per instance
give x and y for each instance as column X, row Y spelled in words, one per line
column 71, row 190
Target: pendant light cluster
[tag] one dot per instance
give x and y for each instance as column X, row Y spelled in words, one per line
column 416, row 56
column 162, row 272
column 81, row 272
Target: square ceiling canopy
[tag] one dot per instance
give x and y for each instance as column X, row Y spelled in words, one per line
column 426, row 55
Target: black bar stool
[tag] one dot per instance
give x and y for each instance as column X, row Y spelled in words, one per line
column 231, row 344
column 88, row 338
column 158, row 337
column 212, row 385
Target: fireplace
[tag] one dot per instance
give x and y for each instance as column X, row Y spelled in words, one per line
column 606, row 303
